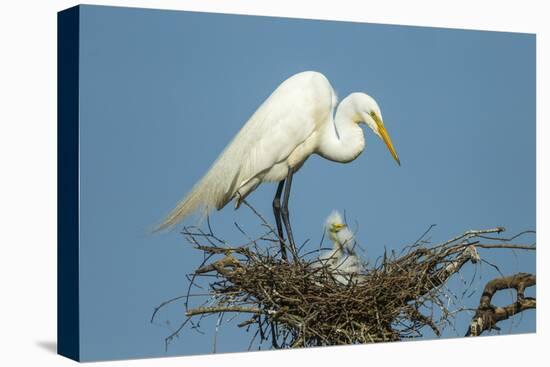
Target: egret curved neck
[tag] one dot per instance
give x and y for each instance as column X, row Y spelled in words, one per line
column 342, row 140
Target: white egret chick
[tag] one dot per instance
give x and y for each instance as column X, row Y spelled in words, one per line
column 300, row 118
column 349, row 268
column 332, row 258
column 342, row 259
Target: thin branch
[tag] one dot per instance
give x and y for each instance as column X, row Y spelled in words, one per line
column 504, row 245
column 209, row 310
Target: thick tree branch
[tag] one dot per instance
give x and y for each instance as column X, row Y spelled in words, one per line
column 488, row 315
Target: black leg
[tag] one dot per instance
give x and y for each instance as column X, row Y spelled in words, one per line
column 286, row 218
column 277, row 213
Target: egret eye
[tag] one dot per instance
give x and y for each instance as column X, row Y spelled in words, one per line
column 375, row 117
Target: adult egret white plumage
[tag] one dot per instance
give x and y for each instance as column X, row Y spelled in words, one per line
column 295, row 121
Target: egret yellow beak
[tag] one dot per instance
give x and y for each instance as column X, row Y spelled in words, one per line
column 336, row 227
column 385, row 137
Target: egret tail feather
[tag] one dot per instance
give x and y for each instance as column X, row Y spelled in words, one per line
column 191, row 203
column 211, row 192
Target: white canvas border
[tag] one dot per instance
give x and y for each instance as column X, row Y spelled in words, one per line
column 28, row 183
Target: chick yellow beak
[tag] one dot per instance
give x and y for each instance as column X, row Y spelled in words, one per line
column 336, row 227
column 385, row 137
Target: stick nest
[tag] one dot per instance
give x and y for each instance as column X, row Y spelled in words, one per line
column 297, row 304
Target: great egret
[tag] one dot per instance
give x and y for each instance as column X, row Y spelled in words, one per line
column 295, row 121
column 342, row 260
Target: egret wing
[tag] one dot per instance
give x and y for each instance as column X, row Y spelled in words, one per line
column 284, row 121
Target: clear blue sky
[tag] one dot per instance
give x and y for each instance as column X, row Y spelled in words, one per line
column 163, row 92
